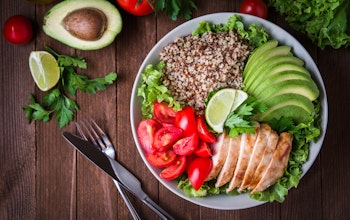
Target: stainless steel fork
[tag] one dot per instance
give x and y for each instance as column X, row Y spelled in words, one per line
column 96, row 135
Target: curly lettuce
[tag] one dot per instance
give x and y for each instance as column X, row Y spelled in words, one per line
column 326, row 23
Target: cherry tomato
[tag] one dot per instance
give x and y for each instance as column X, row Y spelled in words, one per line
column 166, row 137
column 145, row 133
column 186, row 120
column 254, row 7
column 131, row 6
column 203, row 131
column 203, row 149
column 161, row 159
column 186, row 145
column 18, row 29
column 175, row 169
column 198, row 170
column 164, row 113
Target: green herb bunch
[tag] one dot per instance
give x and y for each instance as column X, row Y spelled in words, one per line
column 58, row 101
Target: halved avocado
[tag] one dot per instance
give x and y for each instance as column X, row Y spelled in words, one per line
column 83, row 24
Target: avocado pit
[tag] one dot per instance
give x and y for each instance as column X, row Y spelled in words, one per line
column 86, row 23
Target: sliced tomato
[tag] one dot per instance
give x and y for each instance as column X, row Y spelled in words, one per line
column 163, row 112
column 203, row 149
column 186, row 120
column 166, row 137
column 175, row 169
column 161, row 159
column 198, row 170
column 186, row 145
column 145, row 133
column 203, row 131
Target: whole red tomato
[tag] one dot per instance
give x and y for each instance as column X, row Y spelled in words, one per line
column 131, row 6
column 18, row 29
column 254, row 7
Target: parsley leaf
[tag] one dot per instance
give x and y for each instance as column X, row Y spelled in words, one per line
column 173, row 8
column 239, row 121
column 57, row 100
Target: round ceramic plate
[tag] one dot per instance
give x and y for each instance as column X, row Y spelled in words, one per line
column 226, row 202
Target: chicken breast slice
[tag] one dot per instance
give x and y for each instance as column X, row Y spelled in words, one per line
column 246, row 149
column 265, row 160
column 227, row 170
column 278, row 163
column 220, row 150
column 257, row 154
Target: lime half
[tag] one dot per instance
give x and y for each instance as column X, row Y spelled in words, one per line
column 44, row 68
column 241, row 96
column 219, row 107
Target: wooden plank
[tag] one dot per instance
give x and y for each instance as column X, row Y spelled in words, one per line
column 17, row 142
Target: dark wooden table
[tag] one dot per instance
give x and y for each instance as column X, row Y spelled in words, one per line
column 42, row 177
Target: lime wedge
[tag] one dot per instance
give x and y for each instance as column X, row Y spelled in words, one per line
column 219, row 107
column 240, row 97
column 44, row 68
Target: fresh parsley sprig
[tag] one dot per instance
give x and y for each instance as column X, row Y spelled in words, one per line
column 173, row 8
column 239, row 121
column 58, row 101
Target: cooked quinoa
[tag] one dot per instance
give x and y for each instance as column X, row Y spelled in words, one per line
column 197, row 65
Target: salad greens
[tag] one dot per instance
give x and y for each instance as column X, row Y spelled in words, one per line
column 255, row 35
column 326, row 23
column 152, row 89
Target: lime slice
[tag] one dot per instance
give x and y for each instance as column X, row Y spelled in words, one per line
column 240, row 97
column 44, row 69
column 218, row 108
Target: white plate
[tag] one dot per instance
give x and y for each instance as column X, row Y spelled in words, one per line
column 226, row 202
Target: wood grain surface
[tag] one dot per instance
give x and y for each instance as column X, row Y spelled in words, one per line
column 42, row 177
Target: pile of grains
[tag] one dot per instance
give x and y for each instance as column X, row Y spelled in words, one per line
column 197, row 65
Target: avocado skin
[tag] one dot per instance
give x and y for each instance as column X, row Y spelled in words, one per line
column 53, row 27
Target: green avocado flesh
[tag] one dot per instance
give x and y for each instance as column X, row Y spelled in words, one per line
column 83, row 24
column 279, row 80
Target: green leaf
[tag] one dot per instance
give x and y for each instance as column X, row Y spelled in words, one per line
column 174, row 8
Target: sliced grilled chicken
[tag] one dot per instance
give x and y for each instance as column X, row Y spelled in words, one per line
column 246, row 149
column 220, row 150
column 278, row 164
column 266, row 158
column 227, row 170
column 257, row 154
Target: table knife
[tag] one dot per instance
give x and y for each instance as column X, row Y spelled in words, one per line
column 115, row 170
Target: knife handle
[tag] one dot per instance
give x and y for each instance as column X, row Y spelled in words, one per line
column 157, row 209
column 128, row 203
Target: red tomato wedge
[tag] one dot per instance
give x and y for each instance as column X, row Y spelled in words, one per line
column 203, row 131
column 175, row 169
column 164, row 113
column 198, row 170
column 165, row 137
column 145, row 133
column 161, row 159
column 186, row 120
column 203, row 150
column 186, row 145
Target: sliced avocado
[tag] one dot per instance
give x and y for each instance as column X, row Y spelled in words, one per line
column 292, row 108
column 301, row 87
column 267, row 55
column 269, row 64
column 257, row 53
column 83, row 24
column 287, row 97
column 280, row 77
column 272, row 71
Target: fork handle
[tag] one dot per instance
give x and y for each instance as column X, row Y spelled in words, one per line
column 157, row 209
column 127, row 201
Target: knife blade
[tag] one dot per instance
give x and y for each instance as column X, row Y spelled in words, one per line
column 114, row 170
